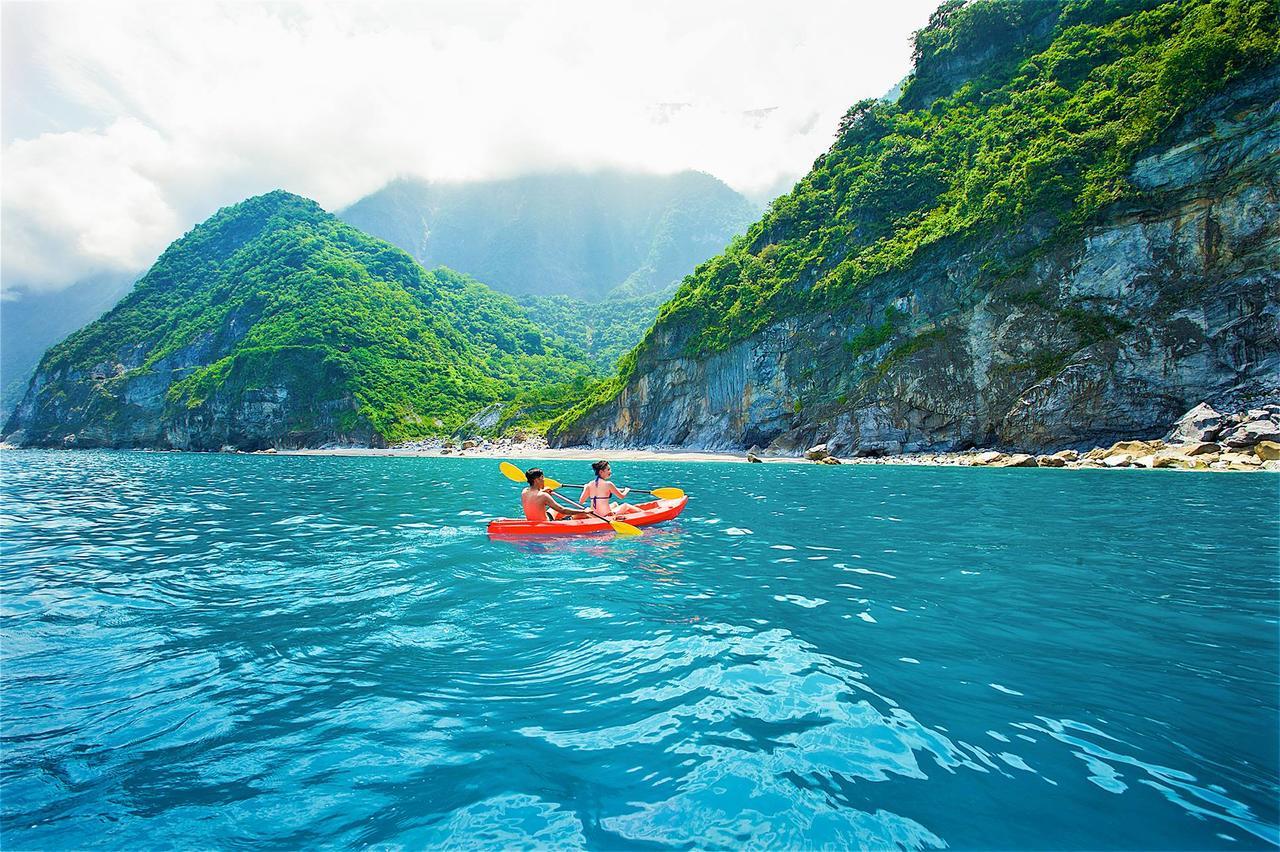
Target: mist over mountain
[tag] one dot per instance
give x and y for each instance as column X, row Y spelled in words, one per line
column 31, row 322
column 585, row 235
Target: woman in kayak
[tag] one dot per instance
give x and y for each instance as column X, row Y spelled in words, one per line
column 599, row 490
column 541, row 505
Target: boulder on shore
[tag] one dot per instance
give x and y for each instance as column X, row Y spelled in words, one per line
column 1118, row 460
column 817, row 452
column 828, row 460
column 753, row 458
column 1244, row 460
column 1134, row 448
column 1050, row 461
column 1267, row 450
column 1017, row 460
column 1067, row 455
column 1171, row 460
column 1249, row 434
column 1202, row 448
column 989, row 457
column 1199, row 424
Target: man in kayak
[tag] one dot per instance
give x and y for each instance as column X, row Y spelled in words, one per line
column 599, row 490
column 541, row 505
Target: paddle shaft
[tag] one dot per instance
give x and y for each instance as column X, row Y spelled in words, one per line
column 566, row 485
column 580, row 506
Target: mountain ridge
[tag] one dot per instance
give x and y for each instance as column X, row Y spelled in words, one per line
column 580, row 234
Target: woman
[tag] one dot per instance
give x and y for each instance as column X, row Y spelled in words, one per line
column 601, row 489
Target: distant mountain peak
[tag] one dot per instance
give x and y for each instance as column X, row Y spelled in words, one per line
column 575, row 233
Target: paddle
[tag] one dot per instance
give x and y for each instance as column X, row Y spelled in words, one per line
column 514, row 473
column 660, row 493
column 620, row 527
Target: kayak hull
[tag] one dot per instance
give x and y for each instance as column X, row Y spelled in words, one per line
column 652, row 512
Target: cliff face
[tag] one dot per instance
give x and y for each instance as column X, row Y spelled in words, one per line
column 1170, row 299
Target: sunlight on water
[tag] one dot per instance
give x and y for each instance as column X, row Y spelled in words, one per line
column 300, row 651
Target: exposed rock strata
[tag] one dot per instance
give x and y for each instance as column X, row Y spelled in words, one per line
column 1183, row 284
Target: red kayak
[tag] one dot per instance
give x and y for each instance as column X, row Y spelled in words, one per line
column 650, row 513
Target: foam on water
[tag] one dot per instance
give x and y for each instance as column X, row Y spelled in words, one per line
column 221, row 651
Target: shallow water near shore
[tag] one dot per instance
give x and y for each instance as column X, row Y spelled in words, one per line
column 213, row 651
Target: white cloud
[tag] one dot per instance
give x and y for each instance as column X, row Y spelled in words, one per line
column 127, row 124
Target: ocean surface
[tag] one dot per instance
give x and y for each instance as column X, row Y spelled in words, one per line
column 220, row 651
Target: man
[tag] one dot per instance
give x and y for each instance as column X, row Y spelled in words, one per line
column 541, row 505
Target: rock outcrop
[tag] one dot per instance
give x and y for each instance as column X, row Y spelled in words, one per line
column 1170, row 300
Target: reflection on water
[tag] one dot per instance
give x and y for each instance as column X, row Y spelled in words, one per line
column 296, row 651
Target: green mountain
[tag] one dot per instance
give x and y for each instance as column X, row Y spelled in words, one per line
column 583, row 235
column 1064, row 229
column 604, row 330
column 275, row 324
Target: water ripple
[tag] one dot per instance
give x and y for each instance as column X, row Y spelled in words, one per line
column 229, row 651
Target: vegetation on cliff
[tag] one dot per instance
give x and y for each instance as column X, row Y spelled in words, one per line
column 1016, row 112
column 276, row 287
column 604, row 330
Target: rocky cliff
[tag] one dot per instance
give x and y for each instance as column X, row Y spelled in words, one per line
column 1020, row 337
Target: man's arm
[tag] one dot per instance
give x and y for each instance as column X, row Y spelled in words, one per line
column 555, row 504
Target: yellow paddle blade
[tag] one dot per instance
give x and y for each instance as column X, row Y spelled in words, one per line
column 667, row 493
column 515, row 474
column 623, row 528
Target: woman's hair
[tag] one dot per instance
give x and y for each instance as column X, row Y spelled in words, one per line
column 532, row 473
column 599, row 466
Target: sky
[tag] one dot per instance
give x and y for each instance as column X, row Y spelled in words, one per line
column 125, row 124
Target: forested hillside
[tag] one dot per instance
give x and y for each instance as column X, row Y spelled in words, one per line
column 1027, row 133
column 274, row 323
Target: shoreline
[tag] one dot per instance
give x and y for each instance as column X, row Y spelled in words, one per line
column 524, row 452
column 1116, row 458
column 1133, row 455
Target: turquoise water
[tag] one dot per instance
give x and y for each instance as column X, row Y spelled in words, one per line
column 213, row 651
